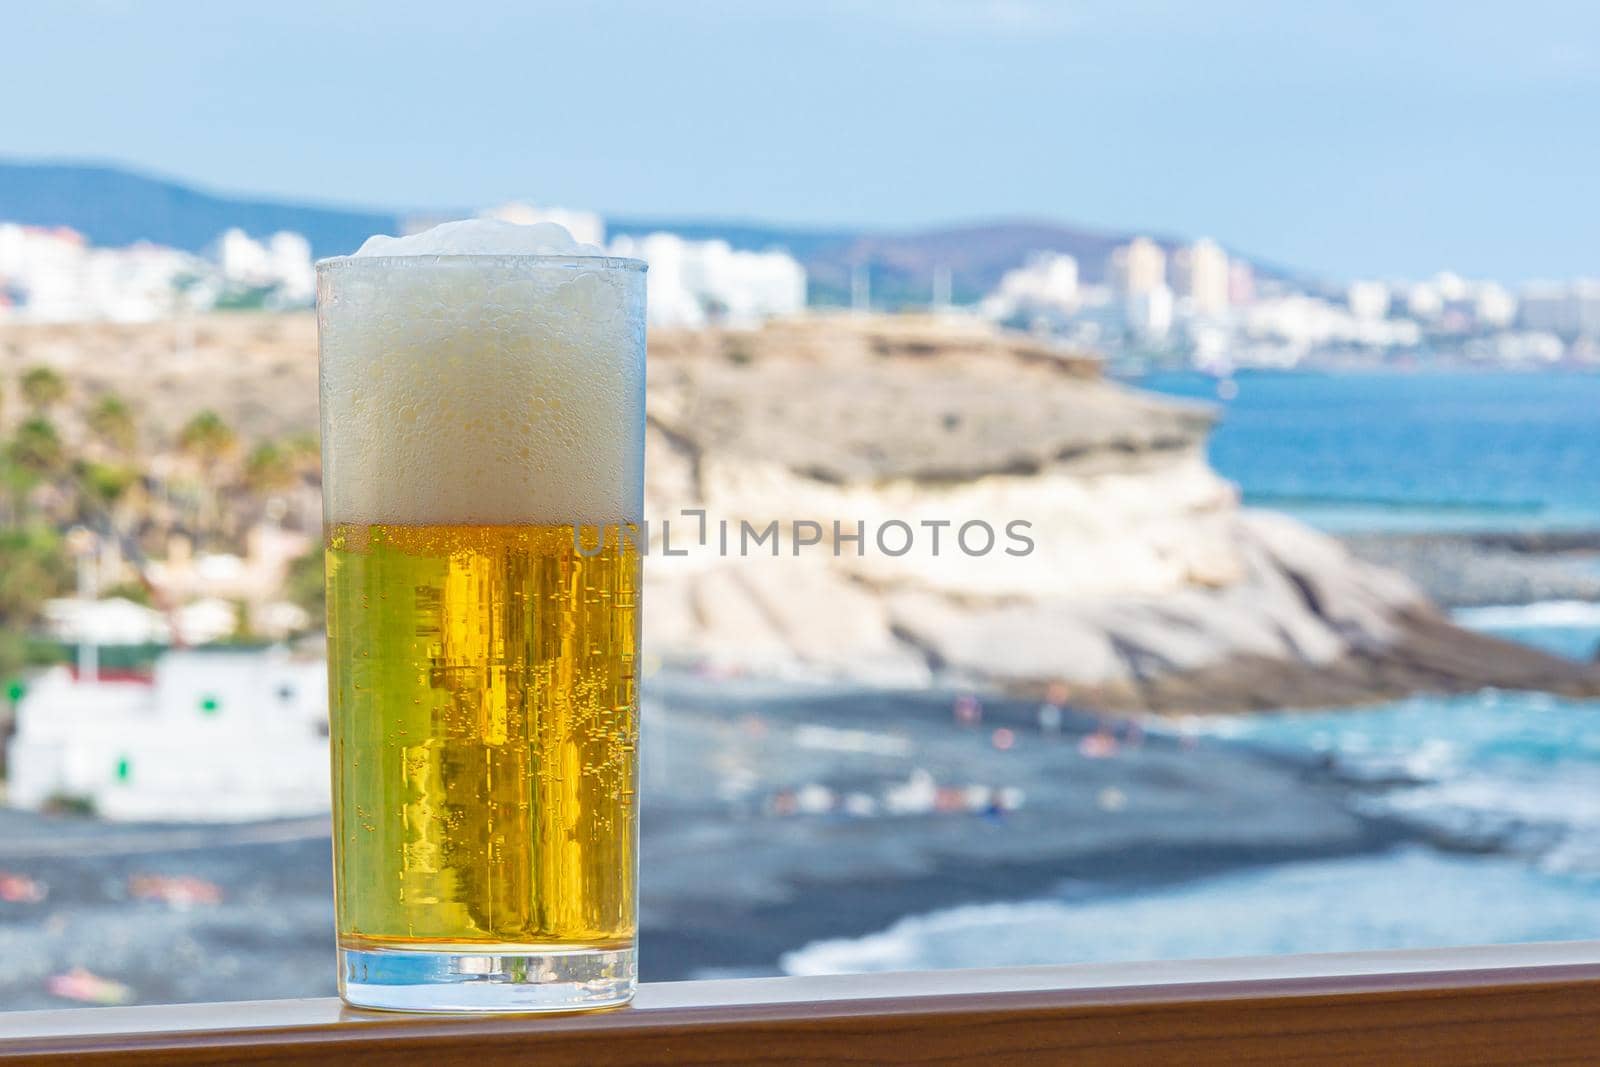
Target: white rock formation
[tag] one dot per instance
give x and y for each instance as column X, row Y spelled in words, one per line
column 1145, row 569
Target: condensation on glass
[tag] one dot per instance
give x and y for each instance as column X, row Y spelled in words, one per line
column 483, row 670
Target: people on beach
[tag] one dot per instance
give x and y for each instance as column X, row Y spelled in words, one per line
column 1102, row 744
column 1053, row 711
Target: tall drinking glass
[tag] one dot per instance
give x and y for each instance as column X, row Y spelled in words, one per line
column 483, row 448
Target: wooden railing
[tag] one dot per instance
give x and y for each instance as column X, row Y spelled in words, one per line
column 1527, row 1004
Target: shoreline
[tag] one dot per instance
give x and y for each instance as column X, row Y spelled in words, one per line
column 730, row 884
column 1169, row 811
column 763, row 934
column 1489, row 568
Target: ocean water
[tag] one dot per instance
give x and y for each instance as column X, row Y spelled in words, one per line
column 1420, row 450
column 1569, row 628
column 1506, row 783
column 1411, row 898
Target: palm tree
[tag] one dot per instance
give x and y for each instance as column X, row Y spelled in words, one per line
column 33, row 567
column 37, row 448
column 111, row 421
column 305, row 453
column 33, row 456
column 208, row 440
column 42, row 388
column 269, row 469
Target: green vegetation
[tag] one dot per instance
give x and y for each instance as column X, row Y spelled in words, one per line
column 37, row 450
column 43, row 389
column 209, row 441
column 137, row 592
column 74, row 460
column 207, row 438
column 305, row 453
column 269, row 469
column 71, row 803
column 244, row 300
column 305, row 586
column 112, row 423
column 103, row 484
column 33, row 568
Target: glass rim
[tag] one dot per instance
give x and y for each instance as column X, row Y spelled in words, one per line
column 505, row 259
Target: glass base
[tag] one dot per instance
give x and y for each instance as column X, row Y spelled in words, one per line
column 510, row 981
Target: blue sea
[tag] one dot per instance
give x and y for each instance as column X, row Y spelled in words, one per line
column 1424, row 450
column 1511, row 779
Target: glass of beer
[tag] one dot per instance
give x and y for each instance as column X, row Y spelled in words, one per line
column 483, row 456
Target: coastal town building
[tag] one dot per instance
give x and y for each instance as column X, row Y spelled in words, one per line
column 692, row 283
column 1368, row 300
column 52, row 274
column 211, row 735
column 281, row 263
column 1138, row 267
column 1200, row 276
column 1567, row 309
column 1046, row 283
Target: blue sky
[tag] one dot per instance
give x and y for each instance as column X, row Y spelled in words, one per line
column 1352, row 138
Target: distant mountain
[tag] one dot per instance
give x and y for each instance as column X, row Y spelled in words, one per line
column 114, row 206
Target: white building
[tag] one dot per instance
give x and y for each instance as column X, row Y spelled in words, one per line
column 1493, row 306
column 1149, row 314
column 1241, row 283
column 1200, row 275
column 1424, row 301
column 51, row 274
column 1304, row 322
column 1368, row 299
column 1514, row 348
column 281, row 263
column 213, row 736
column 691, row 283
column 1567, row 309
column 1138, row 267
column 1047, row 282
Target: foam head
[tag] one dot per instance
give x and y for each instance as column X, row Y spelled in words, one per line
column 482, row 372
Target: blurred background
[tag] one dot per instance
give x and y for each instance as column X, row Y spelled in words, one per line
column 1277, row 325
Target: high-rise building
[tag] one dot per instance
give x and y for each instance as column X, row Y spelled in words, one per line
column 1149, row 313
column 1567, row 309
column 1200, row 276
column 1241, row 282
column 1138, row 267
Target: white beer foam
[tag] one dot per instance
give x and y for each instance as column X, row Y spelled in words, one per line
column 481, row 237
column 479, row 389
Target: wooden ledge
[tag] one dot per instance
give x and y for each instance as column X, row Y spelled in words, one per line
column 1520, row 1004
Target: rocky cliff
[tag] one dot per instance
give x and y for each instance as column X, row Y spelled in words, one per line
column 1146, row 584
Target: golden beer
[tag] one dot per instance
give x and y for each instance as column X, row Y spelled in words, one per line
column 485, row 708
column 482, row 391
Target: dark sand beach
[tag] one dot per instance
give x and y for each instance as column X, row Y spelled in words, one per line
column 748, row 849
